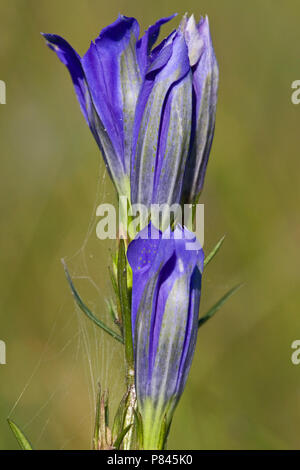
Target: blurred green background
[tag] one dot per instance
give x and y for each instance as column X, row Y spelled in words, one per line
column 243, row 390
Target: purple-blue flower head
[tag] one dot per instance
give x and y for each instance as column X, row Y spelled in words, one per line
column 165, row 306
column 150, row 109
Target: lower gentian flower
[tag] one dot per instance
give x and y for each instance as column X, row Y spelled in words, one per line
column 165, row 306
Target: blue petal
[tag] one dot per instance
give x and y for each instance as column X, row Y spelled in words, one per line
column 112, row 73
column 71, row 59
column 164, row 104
column 205, row 85
column 73, row 62
column 174, row 143
column 146, row 42
column 141, row 254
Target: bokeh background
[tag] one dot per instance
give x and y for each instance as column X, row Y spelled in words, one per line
column 243, row 391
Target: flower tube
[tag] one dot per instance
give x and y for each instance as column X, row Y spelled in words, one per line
column 165, row 306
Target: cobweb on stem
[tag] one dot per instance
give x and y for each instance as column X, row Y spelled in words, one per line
column 78, row 356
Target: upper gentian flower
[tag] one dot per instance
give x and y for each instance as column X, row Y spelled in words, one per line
column 151, row 110
column 165, row 306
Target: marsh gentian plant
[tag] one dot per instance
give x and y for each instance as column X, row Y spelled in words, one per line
column 152, row 113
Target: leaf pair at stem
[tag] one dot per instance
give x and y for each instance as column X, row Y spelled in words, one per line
column 123, row 294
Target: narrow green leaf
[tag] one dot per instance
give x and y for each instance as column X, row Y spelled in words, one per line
column 22, row 440
column 106, row 410
column 218, row 305
column 214, row 251
column 119, row 418
column 163, row 434
column 111, row 307
column 117, row 310
column 97, row 420
column 87, row 311
column 137, row 433
column 113, row 281
column 121, row 436
column 125, row 302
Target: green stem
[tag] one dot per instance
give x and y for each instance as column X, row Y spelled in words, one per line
column 125, row 304
column 130, row 412
column 126, row 319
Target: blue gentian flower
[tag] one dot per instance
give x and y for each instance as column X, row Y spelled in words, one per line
column 165, row 306
column 151, row 110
